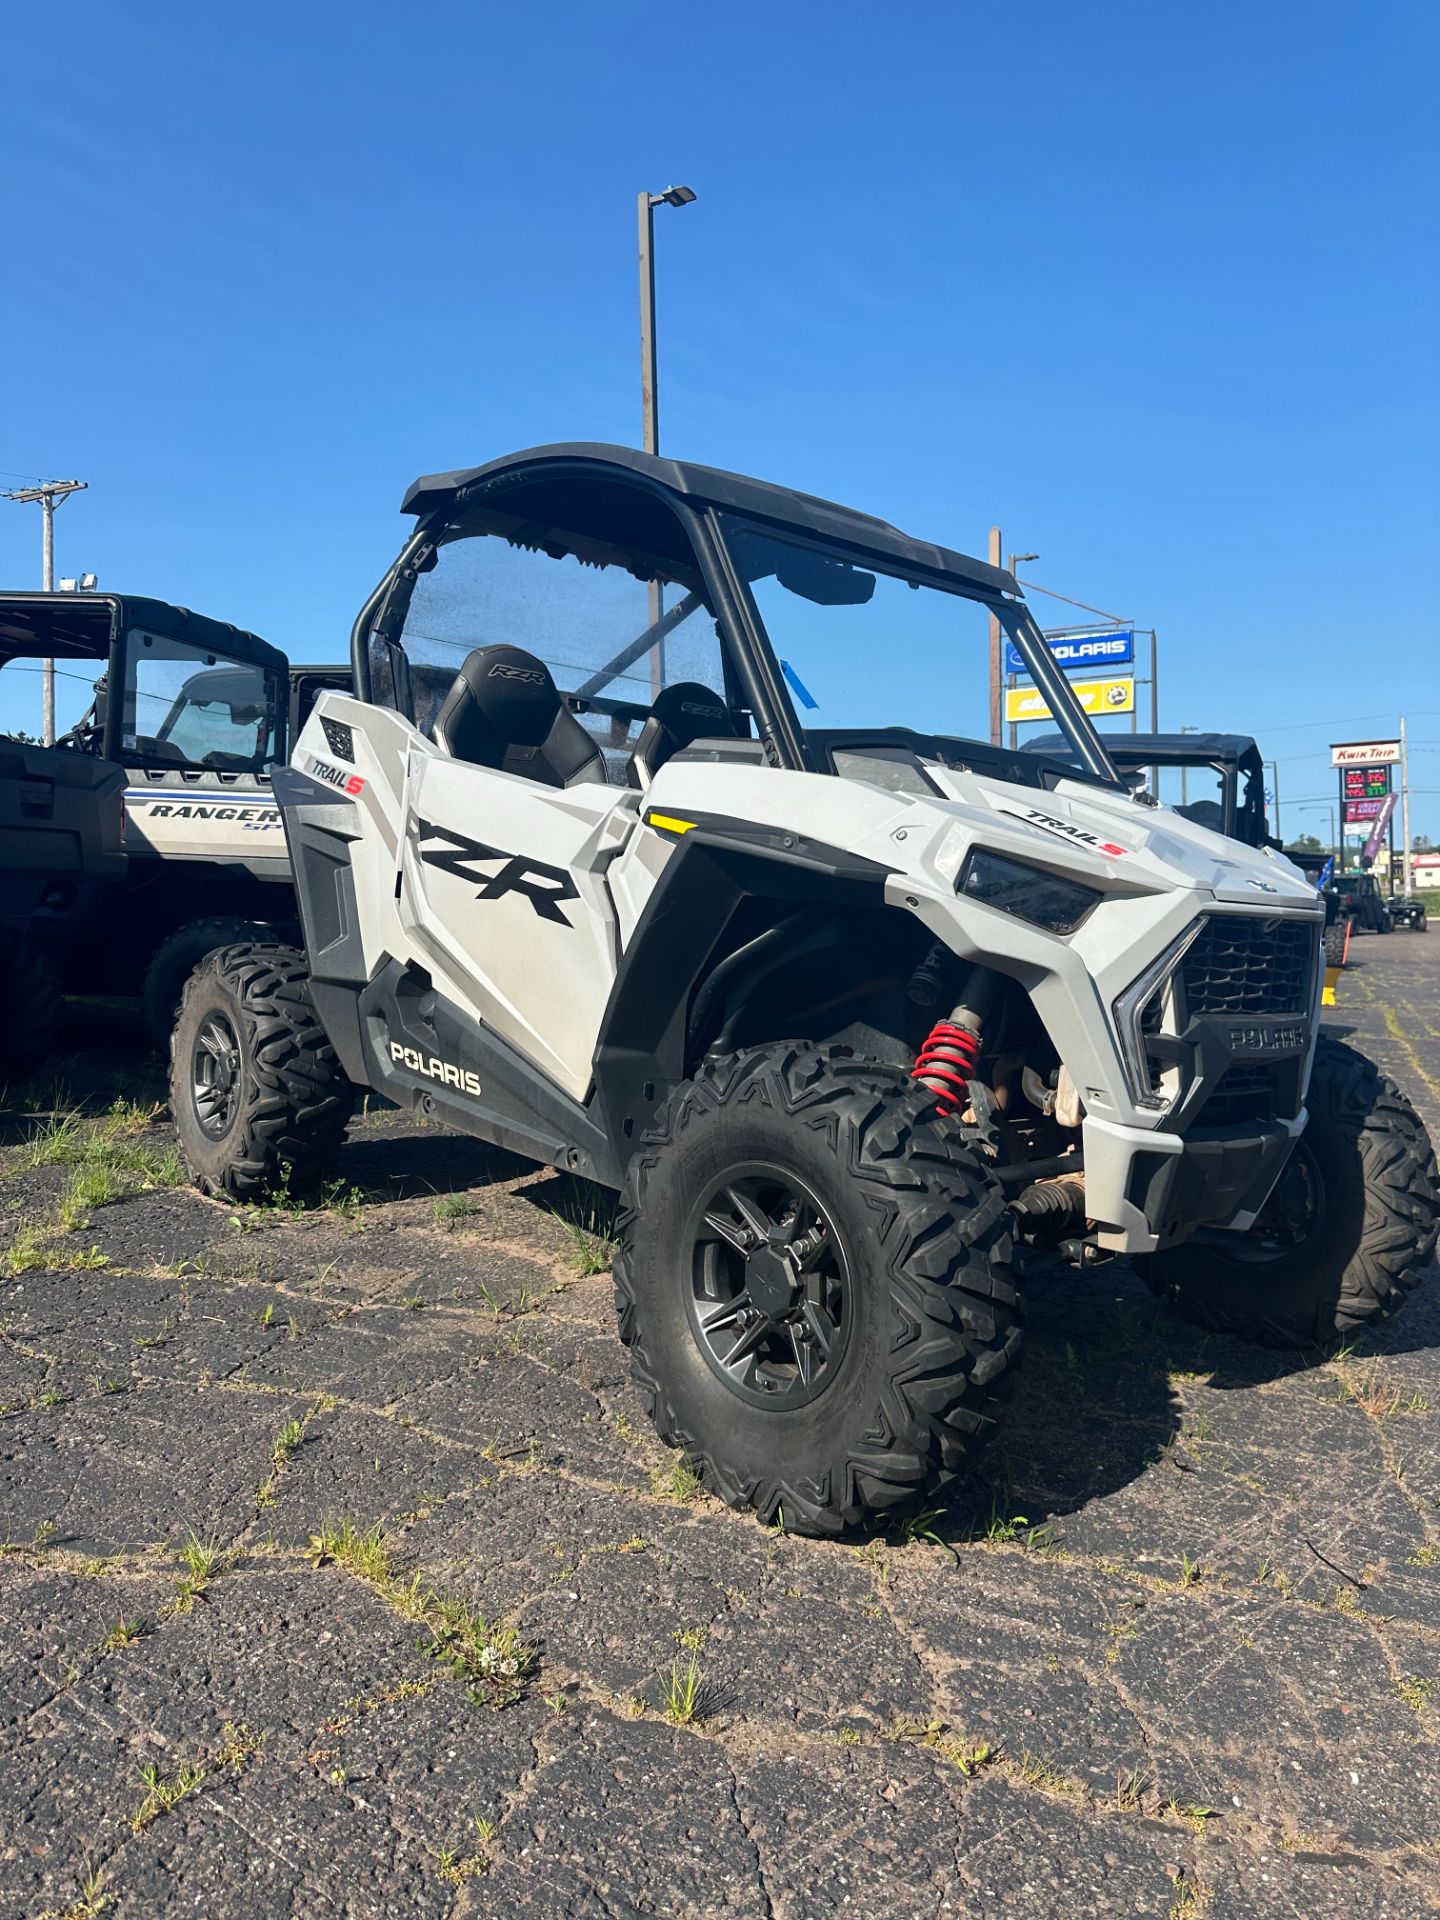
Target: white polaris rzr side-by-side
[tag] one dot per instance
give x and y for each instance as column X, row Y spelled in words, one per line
column 859, row 1020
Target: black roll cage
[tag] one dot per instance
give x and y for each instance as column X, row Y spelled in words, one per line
column 701, row 499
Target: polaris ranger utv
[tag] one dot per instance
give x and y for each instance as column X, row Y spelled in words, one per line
column 187, row 717
column 856, row 1019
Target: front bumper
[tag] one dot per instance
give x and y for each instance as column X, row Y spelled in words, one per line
column 1148, row 1190
column 1228, row 1041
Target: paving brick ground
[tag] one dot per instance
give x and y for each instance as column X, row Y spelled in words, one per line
column 1177, row 1652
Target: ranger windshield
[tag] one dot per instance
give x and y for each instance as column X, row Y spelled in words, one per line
column 866, row 645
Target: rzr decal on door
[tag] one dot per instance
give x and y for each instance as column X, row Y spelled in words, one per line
column 543, row 886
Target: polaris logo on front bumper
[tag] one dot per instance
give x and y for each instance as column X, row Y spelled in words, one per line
column 1288, row 1039
column 461, row 1078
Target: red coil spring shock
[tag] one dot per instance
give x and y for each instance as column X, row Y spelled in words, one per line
column 946, row 1062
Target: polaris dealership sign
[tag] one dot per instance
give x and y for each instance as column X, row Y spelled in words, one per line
column 1111, row 648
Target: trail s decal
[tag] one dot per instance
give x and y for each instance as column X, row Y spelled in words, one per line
column 1081, row 836
column 461, row 1078
column 351, row 783
column 542, row 885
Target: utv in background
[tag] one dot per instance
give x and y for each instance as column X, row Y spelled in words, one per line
column 1236, row 807
column 188, row 716
column 1408, row 910
column 1359, row 900
column 61, row 823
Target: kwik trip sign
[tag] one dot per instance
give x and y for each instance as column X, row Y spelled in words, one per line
column 1366, row 753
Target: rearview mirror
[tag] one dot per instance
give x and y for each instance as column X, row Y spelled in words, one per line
column 829, row 583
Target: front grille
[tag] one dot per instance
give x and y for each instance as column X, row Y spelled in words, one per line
column 1245, row 1091
column 1242, row 963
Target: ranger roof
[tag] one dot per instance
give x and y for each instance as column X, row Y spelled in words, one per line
column 444, row 493
column 78, row 626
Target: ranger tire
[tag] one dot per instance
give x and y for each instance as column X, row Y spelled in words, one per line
column 1346, row 1235
column 177, row 957
column 33, row 1008
column 260, row 1099
column 1335, row 944
column 815, row 1213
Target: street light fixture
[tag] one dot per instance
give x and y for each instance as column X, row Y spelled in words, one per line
column 650, row 377
column 1321, row 806
column 649, row 382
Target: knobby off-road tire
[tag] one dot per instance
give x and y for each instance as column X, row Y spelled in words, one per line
column 33, row 1007
column 906, row 1237
column 1335, row 944
column 177, row 957
column 272, row 1114
column 1347, row 1234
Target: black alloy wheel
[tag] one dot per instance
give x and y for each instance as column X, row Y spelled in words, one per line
column 215, row 1075
column 770, row 1291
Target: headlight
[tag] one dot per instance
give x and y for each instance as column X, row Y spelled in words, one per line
column 1130, row 1010
column 1028, row 892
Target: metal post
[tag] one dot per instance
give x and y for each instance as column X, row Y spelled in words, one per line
column 1154, row 687
column 1409, row 878
column 649, row 394
column 47, row 580
column 997, row 705
column 49, row 494
column 1274, row 767
column 1184, row 782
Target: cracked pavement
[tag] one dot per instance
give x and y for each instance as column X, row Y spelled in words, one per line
column 1175, row 1650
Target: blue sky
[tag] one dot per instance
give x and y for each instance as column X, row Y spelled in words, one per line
column 1151, row 286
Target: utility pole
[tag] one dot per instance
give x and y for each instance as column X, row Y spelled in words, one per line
column 49, row 493
column 996, row 703
column 1404, row 811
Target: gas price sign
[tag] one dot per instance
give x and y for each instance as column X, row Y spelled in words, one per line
column 1365, row 783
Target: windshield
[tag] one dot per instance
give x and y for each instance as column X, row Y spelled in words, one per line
column 865, row 646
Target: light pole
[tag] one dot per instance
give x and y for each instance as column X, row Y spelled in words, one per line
column 650, row 378
column 1323, row 806
column 1016, row 560
column 1184, row 783
column 49, row 493
column 649, row 382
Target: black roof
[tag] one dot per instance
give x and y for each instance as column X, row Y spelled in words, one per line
column 1162, row 749
column 757, row 499
column 77, row 626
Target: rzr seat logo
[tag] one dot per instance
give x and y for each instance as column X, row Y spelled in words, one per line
column 532, row 676
column 1080, row 835
column 461, row 1078
column 543, row 886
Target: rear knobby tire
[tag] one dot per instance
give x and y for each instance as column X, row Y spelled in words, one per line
column 177, row 957
column 33, row 1008
column 291, row 1100
column 922, row 1238
column 1347, row 1234
column 1335, row 944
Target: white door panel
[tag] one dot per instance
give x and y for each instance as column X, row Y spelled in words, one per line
column 504, row 899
